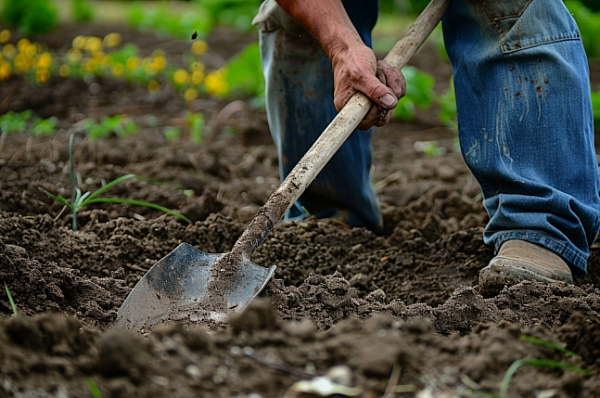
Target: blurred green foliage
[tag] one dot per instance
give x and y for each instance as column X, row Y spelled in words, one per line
column 30, row 16
column 82, row 11
column 589, row 26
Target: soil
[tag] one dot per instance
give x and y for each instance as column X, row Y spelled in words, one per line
column 397, row 314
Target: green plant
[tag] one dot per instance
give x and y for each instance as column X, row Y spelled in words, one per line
column 82, row 11
column 539, row 362
column 244, row 73
column 596, row 107
column 15, row 122
column 419, row 93
column 10, row 299
column 44, row 126
column 589, row 26
column 447, row 110
column 195, row 125
column 31, row 16
column 116, row 124
column 80, row 200
column 94, row 389
column 165, row 21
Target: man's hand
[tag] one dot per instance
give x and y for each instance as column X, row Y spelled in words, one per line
column 357, row 69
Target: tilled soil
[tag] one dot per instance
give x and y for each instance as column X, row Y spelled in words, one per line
column 391, row 315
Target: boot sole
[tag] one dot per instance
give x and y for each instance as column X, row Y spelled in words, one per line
column 498, row 274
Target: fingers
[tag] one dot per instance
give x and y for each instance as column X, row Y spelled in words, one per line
column 376, row 117
column 392, row 77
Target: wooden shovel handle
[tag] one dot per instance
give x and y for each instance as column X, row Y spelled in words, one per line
column 332, row 138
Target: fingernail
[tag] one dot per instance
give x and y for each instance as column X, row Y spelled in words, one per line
column 388, row 100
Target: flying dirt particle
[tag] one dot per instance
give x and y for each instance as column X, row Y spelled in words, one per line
column 194, row 35
column 538, row 88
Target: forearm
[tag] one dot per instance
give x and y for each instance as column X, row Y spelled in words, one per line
column 327, row 21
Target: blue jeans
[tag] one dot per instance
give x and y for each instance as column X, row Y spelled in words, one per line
column 524, row 113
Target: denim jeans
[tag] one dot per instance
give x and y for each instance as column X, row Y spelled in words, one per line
column 524, row 114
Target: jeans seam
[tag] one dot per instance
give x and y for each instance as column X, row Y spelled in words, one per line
column 506, row 48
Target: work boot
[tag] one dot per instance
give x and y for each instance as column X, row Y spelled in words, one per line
column 518, row 261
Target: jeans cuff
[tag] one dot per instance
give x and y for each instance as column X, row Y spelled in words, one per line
column 572, row 256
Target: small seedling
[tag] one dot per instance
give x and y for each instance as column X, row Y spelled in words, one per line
column 539, row 363
column 94, row 389
column 536, row 362
column 79, row 200
column 10, row 299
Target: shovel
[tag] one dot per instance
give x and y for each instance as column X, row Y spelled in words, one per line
column 192, row 286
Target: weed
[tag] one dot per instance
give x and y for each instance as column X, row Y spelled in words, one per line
column 195, row 125
column 80, row 200
column 539, row 363
column 108, row 125
column 10, row 299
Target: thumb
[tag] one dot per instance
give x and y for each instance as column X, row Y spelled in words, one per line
column 379, row 93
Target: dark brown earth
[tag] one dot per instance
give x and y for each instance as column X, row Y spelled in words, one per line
column 401, row 311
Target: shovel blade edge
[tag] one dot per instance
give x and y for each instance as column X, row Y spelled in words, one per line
column 175, row 289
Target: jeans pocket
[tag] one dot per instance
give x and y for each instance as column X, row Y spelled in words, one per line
column 523, row 24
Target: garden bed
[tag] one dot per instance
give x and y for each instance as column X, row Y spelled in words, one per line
column 401, row 310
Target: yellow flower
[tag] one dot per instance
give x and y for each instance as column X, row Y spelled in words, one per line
column 199, row 47
column 88, row 64
column 158, row 52
column 9, row 50
column 132, row 63
column 78, row 42
column 22, row 63
column 197, row 66
column 22, row 44
column 64, row 70
column 153, row 85
column 44, row 60
column 97, row 55
column 42, row 75
column 215, row 82
column 5, row 36
column 74, row 55
column 93, row 44
column 118, row 69
column 159, row 63
column 31, row 50
column 180, row 77
column 197, row 77
column 190, row 94
column 112, row 40
column 5, row 70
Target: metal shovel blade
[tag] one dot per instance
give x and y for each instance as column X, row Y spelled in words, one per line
column 175, row 289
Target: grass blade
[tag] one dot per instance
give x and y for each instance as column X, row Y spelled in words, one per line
column 10, row 300
column 549, row 344
column 539, row 363
column 140, row 203
column 94, row 389
column 57, row 197
column 108, row 186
